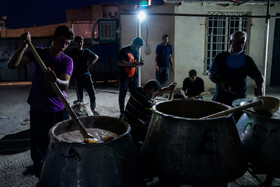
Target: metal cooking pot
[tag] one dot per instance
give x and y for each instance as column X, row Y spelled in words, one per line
column 261, row 139
column 181, row 148
column 112, row 163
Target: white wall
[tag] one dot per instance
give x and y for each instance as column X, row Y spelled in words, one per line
column 155, row 26
column 187, row 36
column 189, row 42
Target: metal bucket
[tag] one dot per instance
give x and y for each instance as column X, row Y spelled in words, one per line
column 183, row 149
column 261, row 139
column 112, row 163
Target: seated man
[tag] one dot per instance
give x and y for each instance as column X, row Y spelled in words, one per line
column 138, row 110
column 193, row 87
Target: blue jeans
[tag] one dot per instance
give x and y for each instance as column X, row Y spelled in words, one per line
column 162, row 75
column 126, row 82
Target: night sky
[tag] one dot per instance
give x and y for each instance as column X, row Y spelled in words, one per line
column 27, row 13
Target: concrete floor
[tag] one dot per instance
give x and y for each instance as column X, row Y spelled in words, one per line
column 15, row 160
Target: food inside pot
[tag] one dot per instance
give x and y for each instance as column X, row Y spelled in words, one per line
column 99, row 135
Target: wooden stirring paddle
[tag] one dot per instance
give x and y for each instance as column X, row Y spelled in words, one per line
column 232, row 110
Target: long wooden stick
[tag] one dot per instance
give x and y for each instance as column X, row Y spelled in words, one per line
column 74, row 117
column 225, row 112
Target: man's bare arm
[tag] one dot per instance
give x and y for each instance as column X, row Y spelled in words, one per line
column 18, row 58
column 93, row 61
column 156, row 64
column 167, row 88
column 62, row 82
column 199, row 95
column 259, row 82
column 124, row 63
column 171, row 62
column 184, row 94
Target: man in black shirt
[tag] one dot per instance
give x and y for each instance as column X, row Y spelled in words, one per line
column 193, row 87
column 83, row 59
column 230, row 69
column 128, row 75
column 163, row 59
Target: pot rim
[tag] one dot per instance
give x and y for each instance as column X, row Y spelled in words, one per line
column 115, row 140
column 185, row 118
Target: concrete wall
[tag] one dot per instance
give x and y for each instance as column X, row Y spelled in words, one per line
column 189, row 42
column 187, row 36
column 152, row 30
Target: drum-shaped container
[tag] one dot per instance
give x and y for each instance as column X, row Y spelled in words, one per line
column 111, row 163
column 261, row 139
column 181, row 148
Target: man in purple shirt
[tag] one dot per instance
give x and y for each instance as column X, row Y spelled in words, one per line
column 46, row 108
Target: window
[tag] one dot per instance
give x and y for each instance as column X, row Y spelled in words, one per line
column 107, row 29
column 218, row 31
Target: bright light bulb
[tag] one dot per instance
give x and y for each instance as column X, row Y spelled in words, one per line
column 141, row 15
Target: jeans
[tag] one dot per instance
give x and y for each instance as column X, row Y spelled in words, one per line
column 162, row 75
column 126, row 82
column 87, row 84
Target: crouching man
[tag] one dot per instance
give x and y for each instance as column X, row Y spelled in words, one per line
column 138, row 111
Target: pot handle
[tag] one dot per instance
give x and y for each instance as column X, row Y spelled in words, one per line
column 72, row 154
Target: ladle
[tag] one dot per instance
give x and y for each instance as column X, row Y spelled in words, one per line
column 270, row 106
column 232, row 110
column 88, row 138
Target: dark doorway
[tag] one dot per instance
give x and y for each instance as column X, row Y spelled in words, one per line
column 275, row 68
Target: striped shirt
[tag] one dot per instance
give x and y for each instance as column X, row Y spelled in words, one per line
column 138, row 111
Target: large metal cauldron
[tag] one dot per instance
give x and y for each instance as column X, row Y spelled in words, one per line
column 186, row 150
column 113, row 163
column 261, row 139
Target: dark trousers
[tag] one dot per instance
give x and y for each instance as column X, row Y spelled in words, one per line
column 40, row 124
column 87, row 84
column 162, row 75
column 126, row 82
